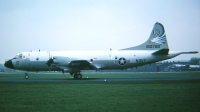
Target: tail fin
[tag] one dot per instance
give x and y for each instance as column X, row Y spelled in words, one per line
column 156, row 41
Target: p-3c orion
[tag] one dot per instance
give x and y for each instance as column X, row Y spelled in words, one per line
column 153, row 50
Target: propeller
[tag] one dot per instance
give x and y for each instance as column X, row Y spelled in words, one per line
column 50, row 62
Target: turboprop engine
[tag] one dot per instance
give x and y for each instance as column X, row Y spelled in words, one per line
column 59, row 60
column 69, row 65
column 63, row 61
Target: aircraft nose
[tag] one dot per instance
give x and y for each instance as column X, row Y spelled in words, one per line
column 8, row 64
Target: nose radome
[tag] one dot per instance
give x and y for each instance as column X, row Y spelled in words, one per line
column 8, row 64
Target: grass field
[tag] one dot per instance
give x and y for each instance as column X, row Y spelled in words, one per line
column 158, row 95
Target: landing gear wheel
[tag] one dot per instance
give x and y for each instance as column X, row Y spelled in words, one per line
column 77, row 76
column 26, row 76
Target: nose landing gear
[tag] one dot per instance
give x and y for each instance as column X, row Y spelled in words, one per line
column 26, row 76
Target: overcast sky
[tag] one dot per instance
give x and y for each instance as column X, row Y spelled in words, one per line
column 58, row 25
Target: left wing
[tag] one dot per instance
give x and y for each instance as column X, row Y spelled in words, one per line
column 81, row 64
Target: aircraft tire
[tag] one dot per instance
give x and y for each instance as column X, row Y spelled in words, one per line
column 26, row 76
column 79, row 76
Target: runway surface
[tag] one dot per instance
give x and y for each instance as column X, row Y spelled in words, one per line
column 149, row 77
column 92, row 79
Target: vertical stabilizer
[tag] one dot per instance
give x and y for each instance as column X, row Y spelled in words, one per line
column 156, row 41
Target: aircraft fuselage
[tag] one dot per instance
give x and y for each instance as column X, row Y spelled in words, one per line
column 37, row 61
column 154, row 49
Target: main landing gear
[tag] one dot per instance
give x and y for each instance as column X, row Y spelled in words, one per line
column 26, row 76
column 77, row 75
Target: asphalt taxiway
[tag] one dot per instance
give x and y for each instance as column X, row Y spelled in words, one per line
column 143, row 78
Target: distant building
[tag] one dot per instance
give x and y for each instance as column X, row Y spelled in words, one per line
column 2, row 68
column 180, row 65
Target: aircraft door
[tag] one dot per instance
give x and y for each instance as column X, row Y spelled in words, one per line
column 111, row 60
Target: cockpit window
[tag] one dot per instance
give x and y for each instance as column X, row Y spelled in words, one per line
column 18, row 56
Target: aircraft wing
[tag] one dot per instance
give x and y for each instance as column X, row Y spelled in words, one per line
column 81, row 64
column 76, row 66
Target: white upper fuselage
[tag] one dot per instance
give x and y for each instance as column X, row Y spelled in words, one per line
column 123, row 59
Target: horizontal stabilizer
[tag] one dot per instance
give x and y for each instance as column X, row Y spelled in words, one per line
column 191, row 52
column 161, row 52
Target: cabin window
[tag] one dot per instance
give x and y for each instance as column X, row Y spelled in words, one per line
column 18, row 56
column 17, row 63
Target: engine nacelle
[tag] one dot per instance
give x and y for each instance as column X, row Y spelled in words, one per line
column 58, row 60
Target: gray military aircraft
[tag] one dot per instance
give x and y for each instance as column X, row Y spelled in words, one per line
column 153, row 50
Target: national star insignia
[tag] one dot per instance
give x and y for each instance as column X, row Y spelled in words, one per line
column 122, row 61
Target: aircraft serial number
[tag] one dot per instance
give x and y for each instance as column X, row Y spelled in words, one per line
column 152, row 46
column 140, row 60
